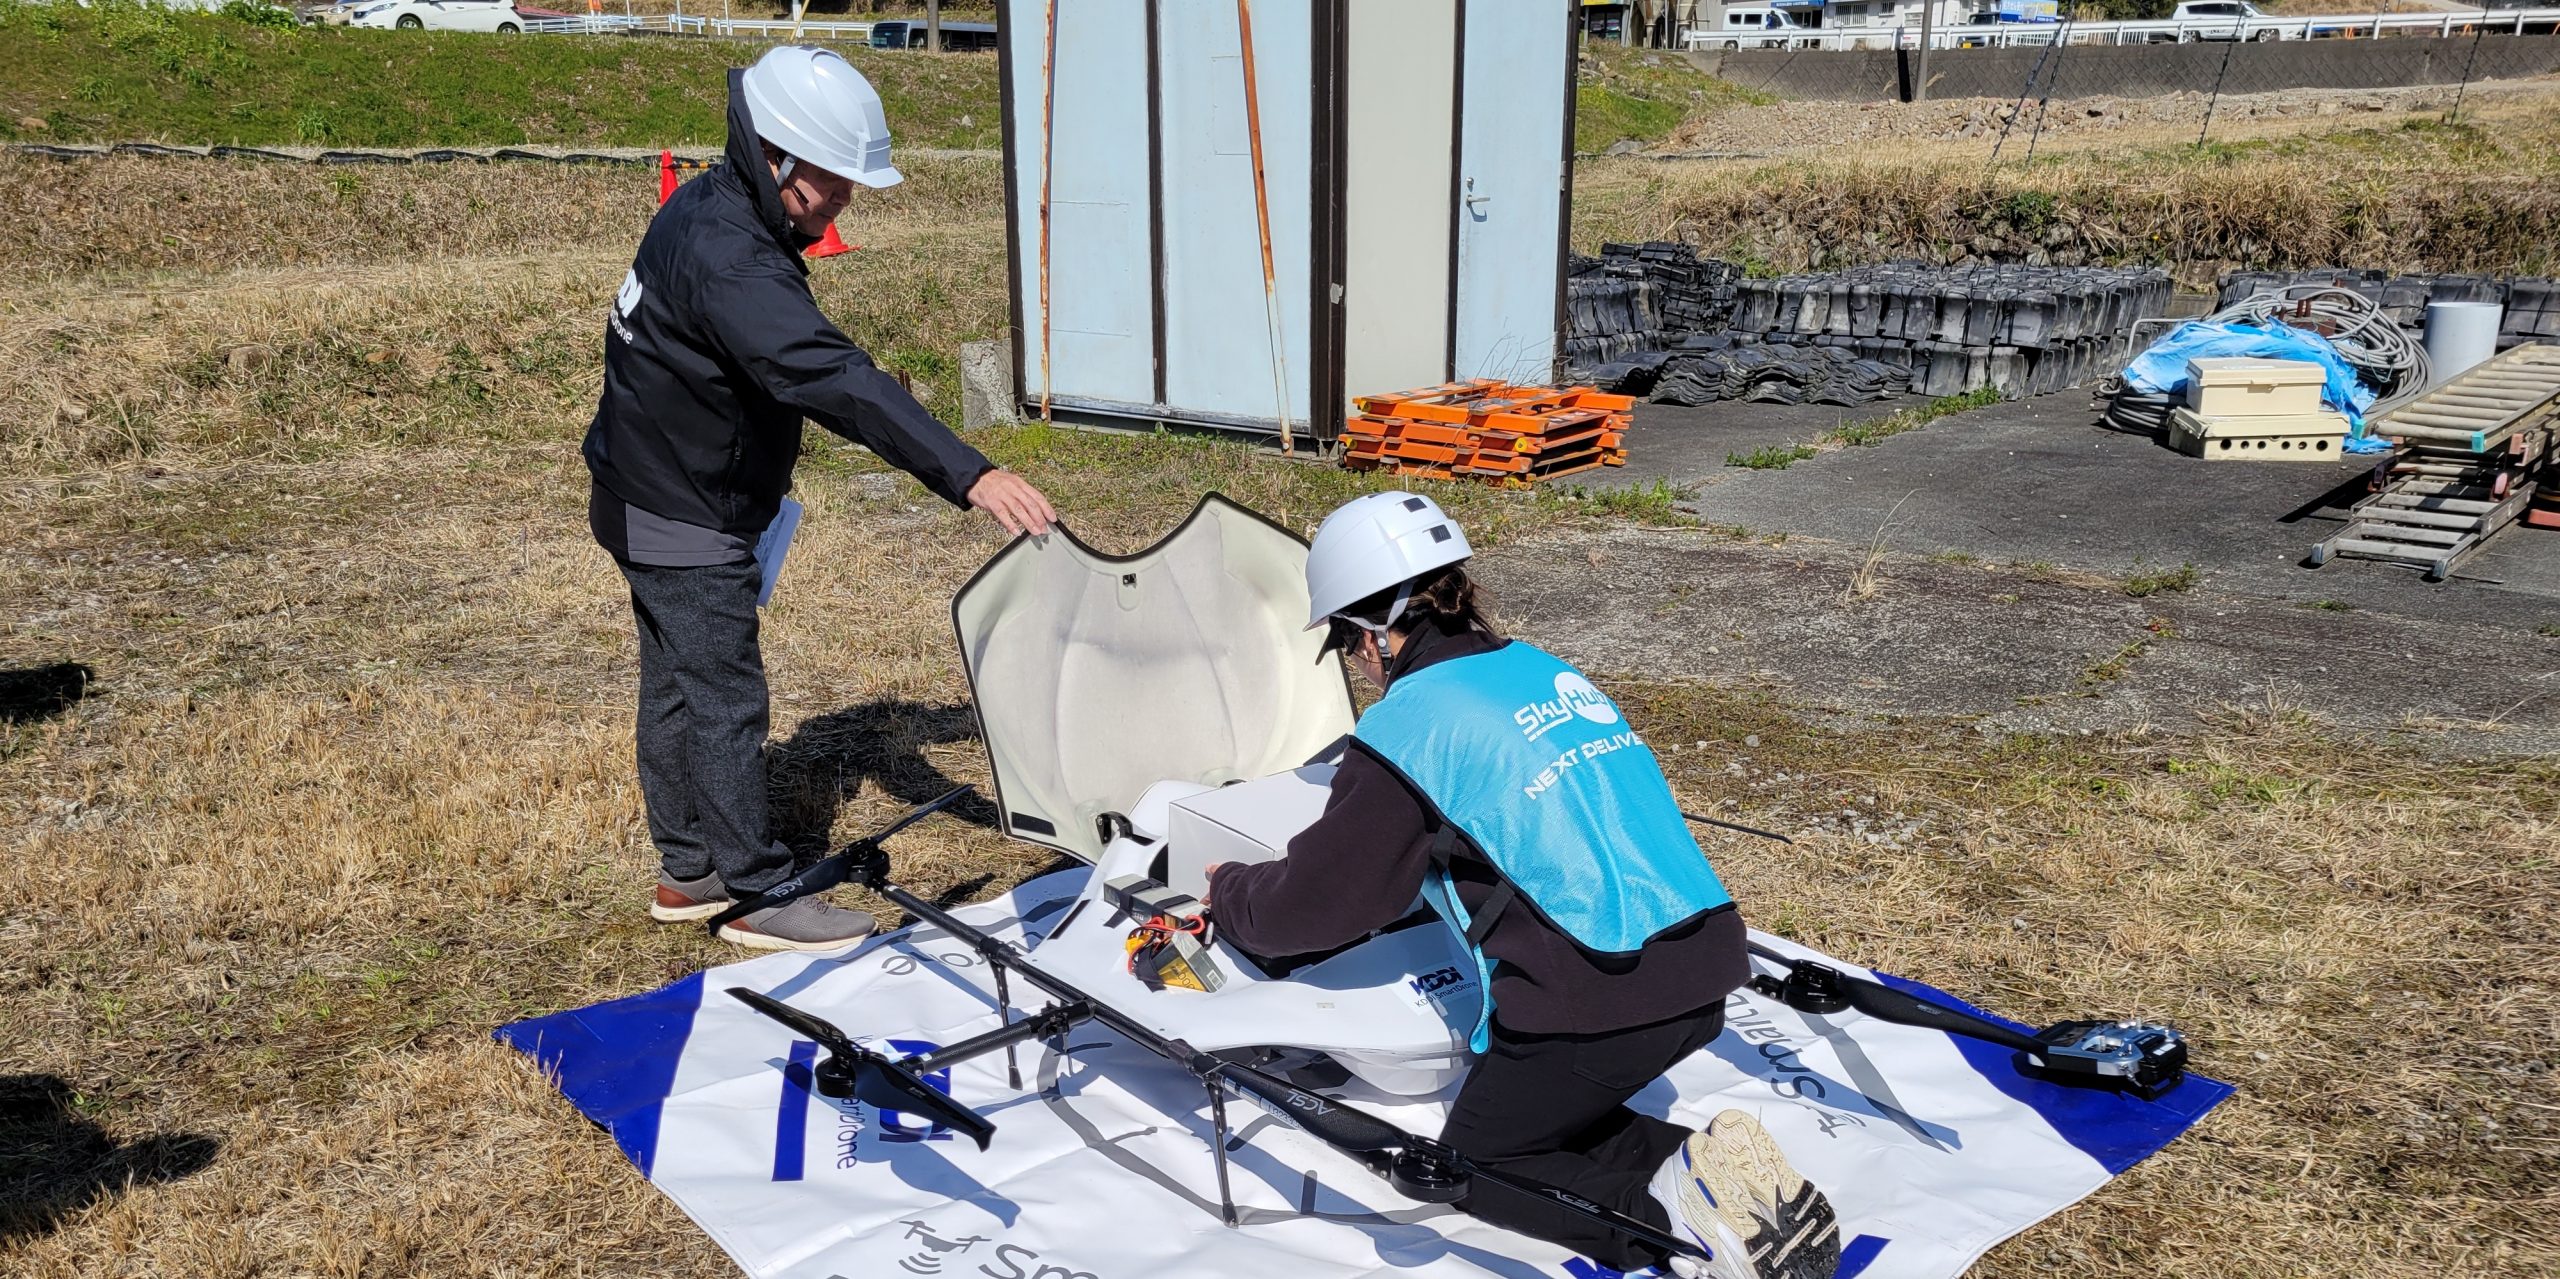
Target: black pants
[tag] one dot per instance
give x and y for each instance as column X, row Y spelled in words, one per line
column 1553, row 1108
column 703, row 720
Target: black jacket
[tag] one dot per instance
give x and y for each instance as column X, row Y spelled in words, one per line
column 715, row 351
column 1358, row 868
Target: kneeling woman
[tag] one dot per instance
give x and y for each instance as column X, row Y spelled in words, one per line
column 1493, row 780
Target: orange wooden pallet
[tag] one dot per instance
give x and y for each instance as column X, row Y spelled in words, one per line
column 1489, row 431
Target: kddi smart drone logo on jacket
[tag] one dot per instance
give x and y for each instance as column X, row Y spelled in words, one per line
column 1575, row 698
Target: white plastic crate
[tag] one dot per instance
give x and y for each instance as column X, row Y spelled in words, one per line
column 2242, row 387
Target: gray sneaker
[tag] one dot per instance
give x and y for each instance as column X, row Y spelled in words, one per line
column 680, row 900
column 1740, row 1197
column 806, row 924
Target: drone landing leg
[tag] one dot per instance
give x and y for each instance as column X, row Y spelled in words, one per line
column 1218, row 1147
column 1004, row 1010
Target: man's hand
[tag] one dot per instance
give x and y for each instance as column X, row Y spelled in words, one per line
column 1209, row 876
column 1015, row 504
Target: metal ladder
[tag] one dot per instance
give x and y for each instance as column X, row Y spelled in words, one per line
column 2470, row 451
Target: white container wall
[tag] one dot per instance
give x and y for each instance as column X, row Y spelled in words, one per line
column 1415, row 162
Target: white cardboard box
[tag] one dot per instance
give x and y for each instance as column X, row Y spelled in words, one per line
column 1247, row 822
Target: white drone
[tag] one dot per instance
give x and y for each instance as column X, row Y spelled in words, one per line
column 1155, row 714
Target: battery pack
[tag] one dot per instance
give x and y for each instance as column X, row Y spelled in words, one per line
column 1179, row 961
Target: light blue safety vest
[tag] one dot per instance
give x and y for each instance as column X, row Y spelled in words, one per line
column 1521, row 754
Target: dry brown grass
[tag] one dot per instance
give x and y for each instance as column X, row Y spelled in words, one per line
column 357, row 791
column 356, row 788
column 127, row 215
column 2406, row 192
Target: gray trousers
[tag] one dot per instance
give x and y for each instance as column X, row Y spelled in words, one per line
column 703, row 721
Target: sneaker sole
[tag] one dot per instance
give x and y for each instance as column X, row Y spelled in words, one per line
column 685, row 914
column 1737, row 1177
column 766, row 941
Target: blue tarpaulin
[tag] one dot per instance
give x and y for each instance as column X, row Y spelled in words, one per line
column 2162, row 368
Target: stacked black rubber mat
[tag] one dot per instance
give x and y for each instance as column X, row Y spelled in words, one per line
column 2532, row 301
column 1847, row 337
column 1728, row 367
column 1977, row 306
column 1644, row 297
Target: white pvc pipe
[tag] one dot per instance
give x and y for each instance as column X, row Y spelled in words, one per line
column 2460, row 335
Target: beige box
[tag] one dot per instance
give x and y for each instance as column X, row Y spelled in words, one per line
column 2308, row 437
column 2240, row 387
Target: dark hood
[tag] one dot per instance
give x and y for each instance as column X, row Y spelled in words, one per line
column 746, row 161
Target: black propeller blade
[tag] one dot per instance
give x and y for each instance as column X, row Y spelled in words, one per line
column 1747, row 830
column 816, row 1029
column 2137, row 1057
column 1819, row 988
column 921, row 811
column 835, row 870
column 854, row 1071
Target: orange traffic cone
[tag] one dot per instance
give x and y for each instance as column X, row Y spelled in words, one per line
column 666, row 176
column 828, row 245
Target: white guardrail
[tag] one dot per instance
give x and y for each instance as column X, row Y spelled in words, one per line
column 609, row 24
column 2312, row 27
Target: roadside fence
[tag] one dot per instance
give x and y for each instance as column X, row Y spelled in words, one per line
column 2214, row 69
column 2193, row 30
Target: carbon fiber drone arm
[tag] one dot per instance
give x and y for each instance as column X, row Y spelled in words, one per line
column 1417, row 1167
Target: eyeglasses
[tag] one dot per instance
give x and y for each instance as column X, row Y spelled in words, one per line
column 1343, row 634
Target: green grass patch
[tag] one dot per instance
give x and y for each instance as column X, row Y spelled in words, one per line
column 1642, row 96
column 2145, row 582
column 121, row 71
column 1656, row 503
column 1771, row 457
column 1876, row 431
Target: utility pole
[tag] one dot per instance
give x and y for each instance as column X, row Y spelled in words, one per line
column 1928, row 24
column 933, row 26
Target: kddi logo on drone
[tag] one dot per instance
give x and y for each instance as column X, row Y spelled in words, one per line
column 928, row 1253
column 1575, row 699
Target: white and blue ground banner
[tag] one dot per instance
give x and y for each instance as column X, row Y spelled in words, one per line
column 1931, row 1148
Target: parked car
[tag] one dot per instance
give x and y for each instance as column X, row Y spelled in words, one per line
column 2218, row 20
column 499, row 16
column 957, row 37
column 1757, row 29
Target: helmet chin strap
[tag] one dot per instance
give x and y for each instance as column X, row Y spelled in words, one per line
column 1404, row 596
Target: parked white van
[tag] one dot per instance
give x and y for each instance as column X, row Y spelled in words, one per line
column 1755, row 28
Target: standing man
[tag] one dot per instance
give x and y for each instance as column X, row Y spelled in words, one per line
column 715, row 351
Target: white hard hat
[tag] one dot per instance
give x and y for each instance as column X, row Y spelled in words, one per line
column 818, row 110
column 1370, row 544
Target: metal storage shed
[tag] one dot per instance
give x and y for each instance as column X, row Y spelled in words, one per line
column 1416, row 164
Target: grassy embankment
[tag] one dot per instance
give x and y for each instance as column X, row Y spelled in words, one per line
column 120, row 71
column 1633, row 95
